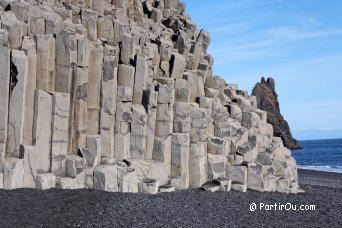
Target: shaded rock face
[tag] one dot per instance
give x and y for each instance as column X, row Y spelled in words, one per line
column 119, row 96
column 267, row 100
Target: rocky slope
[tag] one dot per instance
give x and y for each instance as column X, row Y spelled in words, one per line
column 267, row 100
column 119, row 96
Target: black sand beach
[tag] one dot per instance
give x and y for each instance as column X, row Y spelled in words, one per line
column 190, row 208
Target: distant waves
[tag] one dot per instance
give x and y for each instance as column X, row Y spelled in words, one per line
column 334, row 169
column 321, row 155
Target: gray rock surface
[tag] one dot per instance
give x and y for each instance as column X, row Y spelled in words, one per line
column 106, row 94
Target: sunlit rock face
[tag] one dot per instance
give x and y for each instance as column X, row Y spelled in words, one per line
column 119, row 96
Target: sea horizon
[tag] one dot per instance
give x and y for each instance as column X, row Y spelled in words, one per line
column 320, row 155
column 301, row 140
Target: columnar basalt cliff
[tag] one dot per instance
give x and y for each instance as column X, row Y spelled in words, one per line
column 267, row 100
column 119, row 96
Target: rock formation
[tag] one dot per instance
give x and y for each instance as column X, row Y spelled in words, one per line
column 119, row 96
column 267, row 100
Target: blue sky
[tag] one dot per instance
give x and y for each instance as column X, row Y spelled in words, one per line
column 297, row 42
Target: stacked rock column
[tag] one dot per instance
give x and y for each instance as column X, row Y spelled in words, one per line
column 120, row 96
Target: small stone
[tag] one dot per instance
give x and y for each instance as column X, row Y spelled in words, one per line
column 106, row 178
column 239, row 187
column 66, row 183
column 224, row 183
column 13, row 173
column 149, row 186
column 46, row 181
column 166, row 188
column 210, row 187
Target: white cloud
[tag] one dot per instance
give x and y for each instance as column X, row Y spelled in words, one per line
column 231, row 28
column 308, row 22
column 271, row 43
column 236, row 56
column 241, row 4
column 294, row 34
column 242, row 46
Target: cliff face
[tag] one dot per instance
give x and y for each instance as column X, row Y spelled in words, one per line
column 267, row 100
column 119, row 96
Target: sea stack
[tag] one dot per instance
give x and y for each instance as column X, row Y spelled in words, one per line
column 267, row 100
column 119, row 96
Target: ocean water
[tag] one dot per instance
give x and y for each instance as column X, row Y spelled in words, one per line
column 321, row 155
